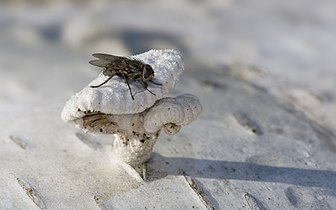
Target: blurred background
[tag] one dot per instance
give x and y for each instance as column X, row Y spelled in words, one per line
column 286, row 47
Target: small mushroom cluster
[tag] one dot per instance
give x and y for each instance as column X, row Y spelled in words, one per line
column 135, row 124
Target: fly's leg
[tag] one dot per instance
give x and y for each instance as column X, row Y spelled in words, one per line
column 146, row 85
column 95, row 86
column 129, row 87
column 150, row 91
column 154, row 82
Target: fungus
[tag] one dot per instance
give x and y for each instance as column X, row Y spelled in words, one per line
column 135, row 124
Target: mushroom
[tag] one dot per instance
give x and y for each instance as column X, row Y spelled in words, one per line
column 135, row 124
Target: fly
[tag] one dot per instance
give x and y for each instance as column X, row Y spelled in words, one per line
column 124, row 67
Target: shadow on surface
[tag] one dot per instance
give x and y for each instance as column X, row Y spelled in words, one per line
column 160, row 166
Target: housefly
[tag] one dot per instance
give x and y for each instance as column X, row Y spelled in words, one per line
column 125, row 67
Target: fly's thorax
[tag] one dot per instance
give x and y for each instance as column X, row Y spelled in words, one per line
column 108, row 72
column 133, row 69
column 135, row 75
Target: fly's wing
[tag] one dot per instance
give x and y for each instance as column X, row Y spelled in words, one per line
column 104, row 56
column 100, row 63
column 105, row 60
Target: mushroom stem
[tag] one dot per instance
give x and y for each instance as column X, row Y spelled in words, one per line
column 136, row 149
column 133, row 145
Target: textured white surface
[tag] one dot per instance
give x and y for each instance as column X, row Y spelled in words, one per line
column 114, row 96
column 180, row 110
column 249, row 149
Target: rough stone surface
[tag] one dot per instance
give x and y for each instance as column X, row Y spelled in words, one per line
column 264, row 73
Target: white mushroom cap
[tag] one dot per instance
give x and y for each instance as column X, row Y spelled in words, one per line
column 171, row 113
column 114, row 96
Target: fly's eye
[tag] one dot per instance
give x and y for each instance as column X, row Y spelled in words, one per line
column 147, row 73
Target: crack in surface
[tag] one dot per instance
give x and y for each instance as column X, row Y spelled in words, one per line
column 244, row 120
column 99, row 201
column 18, row 141
column 253, row 202
column 32, row 193
column 200, row 192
